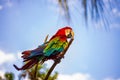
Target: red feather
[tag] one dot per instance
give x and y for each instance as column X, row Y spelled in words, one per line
column 25, row 54
column 28, row 65
column 61, row 33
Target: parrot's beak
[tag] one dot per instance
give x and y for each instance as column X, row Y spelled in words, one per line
column 69, row 33
column 72, row 33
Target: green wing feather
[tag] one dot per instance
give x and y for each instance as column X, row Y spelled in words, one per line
column 55, row 45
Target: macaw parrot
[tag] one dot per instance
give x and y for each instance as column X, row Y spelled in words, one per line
column 48, row 50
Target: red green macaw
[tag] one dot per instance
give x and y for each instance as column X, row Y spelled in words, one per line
column 48, row 50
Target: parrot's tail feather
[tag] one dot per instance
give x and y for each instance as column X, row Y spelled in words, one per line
column 28, row 65
column 30, row 62
column 26, row 60
column 16, row 67
column 26, row 54
column 34, row 57
column 29, row 58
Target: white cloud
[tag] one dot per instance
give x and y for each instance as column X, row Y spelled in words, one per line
column 76, row 76
column 110, row 78
column 1, row 7
column 6, row 57
column 2, row 74
column 19, row 55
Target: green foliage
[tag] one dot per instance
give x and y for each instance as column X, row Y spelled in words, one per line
column 92, row 10
column 39, row 73
column 0, row 78
column 9, row 76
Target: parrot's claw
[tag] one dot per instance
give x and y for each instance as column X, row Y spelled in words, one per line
column 63, row 57
column 58, row 60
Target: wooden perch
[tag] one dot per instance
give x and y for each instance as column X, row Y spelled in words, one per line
column 36, row 67
column 58, row 60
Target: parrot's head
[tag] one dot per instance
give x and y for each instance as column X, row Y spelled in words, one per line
column 65, row 31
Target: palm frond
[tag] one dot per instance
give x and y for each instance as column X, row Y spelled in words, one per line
column 95, row 9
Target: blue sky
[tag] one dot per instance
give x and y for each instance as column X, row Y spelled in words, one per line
column 94, row 54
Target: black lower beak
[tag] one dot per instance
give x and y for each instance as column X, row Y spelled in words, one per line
column 69, row 35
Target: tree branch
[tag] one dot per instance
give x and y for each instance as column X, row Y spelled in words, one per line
column 58, row 60
column 36, row 67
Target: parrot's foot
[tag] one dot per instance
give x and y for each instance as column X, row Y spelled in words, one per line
column 63, row 57
column 58, row 60
column 59, row 56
